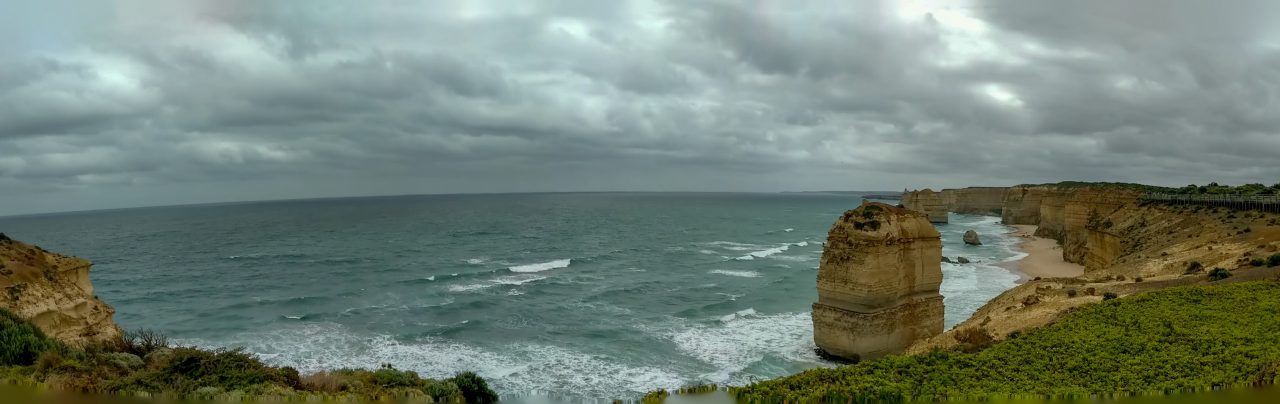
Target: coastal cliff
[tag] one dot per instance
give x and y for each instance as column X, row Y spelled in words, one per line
column 975, row 200
column 1126, row 246
column 928, row 202
column 53, row 292
column 878, row 283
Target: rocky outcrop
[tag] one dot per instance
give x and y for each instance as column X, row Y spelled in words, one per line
column 971, row 238
column 1089, row 207
column 975, row 200
column 878, row 283
column 54, row 293
column 928, row 202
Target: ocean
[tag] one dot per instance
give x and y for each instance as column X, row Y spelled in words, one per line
column 584, row 296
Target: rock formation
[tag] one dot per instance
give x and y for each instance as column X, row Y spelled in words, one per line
column 53, row 292
column 971, row 238
column 878, row 283
column 975, row 200
column 928, row 202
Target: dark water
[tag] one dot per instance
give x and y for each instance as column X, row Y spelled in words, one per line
column 582, row 295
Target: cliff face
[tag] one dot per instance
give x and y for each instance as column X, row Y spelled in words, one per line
column 975, row 200
column 1124, row 240
column 878, row 283
column 928, row 202
column 54, row 293
column 1068, row 214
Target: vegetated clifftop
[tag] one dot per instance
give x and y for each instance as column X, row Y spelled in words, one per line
column 928, row 202
column 1126, row 246
column 878, row 283
column 53, row 292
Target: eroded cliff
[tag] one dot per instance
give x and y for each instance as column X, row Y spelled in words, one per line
column 928, row 202
column 54, row 293
column 1127, row 247
column 975, row 200
column 878, row 282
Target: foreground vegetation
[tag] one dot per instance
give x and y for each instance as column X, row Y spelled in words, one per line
column 1212, row 188
column 1178, row 339
column 143, row 364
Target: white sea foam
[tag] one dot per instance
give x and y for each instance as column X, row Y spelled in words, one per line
column 519, row 369
column 708, row 252
column 733, row 345
column 431, row 278
column 788, row 230
column 477, row 261
column 517, row 280
column 470, row 287
column 743, row 274
column 763, row 253
column 298, row 317
column 514, row 292
column 734, row 246
column 542, row 266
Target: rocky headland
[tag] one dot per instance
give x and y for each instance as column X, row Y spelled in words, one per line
column 53, row 292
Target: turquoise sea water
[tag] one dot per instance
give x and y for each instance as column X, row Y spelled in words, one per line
column 590, row 296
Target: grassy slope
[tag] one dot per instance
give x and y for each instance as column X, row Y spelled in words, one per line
column 1185, row 338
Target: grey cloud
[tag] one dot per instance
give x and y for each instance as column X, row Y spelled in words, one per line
column 228, row 99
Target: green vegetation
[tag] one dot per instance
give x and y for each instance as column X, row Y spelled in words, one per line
column 1178, row 339
column 143, row 363
column 1273, row 260
column 1219, row 273
column 1212, row 188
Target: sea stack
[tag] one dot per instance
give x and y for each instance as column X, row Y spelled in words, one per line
column 878, row 283
column 928, row 202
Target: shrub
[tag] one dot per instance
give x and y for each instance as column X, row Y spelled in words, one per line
column 1257, row 262
column 1072, row 293
column 189, row 369
column 1137, row 279
column 1218, row 274
column 973, row 339
column 1109, row 296
column 142, row 341
column 21, row 343
column 1194, row 267
column 1273, row 260
column 474, row 388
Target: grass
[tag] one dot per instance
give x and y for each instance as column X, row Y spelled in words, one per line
column 143, row 363
column 1178, row 339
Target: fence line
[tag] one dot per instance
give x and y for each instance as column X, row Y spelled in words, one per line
column 1266, row 203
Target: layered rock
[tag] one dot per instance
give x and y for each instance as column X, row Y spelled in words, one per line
column 54, row 293
column 928, row 202
column 1088, row 207
column 975, row 200
column 878, row 283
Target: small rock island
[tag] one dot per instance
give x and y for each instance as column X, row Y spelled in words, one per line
column 878, row 283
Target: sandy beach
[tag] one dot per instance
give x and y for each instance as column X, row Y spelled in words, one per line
column 1044, row 256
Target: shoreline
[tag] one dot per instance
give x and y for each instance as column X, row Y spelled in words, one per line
column 1044, row 257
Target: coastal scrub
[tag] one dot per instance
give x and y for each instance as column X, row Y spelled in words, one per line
column 1178, row 339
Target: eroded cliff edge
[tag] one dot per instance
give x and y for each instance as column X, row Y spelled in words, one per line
column 1126, row 246
column 54, row 293
column 878, row 283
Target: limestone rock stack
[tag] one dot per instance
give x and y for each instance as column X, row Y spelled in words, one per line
column 878, row 283
column 53, row 292
column 928, row 202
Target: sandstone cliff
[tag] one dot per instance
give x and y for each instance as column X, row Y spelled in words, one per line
column 975, row 200
column 878, row 282
column 928, row 202
column 54, row 293
column 1127, row 247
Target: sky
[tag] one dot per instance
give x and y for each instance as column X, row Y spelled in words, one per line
column 110, row 104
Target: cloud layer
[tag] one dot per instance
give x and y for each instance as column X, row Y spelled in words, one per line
column 146, row 102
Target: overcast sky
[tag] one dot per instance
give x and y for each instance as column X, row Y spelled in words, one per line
column 109, row 104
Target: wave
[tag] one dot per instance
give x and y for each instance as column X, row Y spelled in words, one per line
column 543, row 266
column 511, row 370
column 743, row 274
column 477, row 261
column 733, row 246
column 471, row 287
column 735, row 345
column 517, row 280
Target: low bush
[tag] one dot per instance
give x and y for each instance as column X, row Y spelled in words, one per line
column 1176, row 339
column 21, row 343
column 1218, row 274
column 1273, row 260
column 1257, row 262
column 1194, row 267
column 474, row 389
column 1109, row 296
